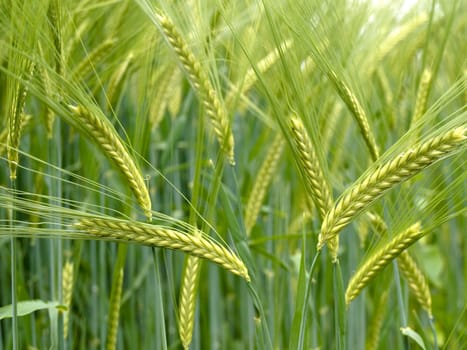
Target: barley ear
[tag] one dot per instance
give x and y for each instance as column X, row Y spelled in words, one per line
column 198, row 78
column 108, row 139
column 422, row 96
column 374, row 331
column 380, row 258
column 375, row 184
column 67, row 291
column 357, row 111
column 262, row 181
column 416, row 280
column 316, row 186
column 114, row 312
column 160, row 236
column 89, row 62
column 187, row 302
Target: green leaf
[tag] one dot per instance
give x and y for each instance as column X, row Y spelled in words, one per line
column 409, row 332
column 27, row 307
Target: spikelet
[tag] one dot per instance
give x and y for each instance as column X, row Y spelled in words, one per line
column 16, row 122
column 201, row 83
column 107, row 138
column 422, row 96
column 357, row 111
column 187, row 302
column 159, row 236
column 416, row 281
column 316, row 186
column 387, row 175
column 89, row 62
column 263, row 179
column 67, row 291
column 380, row 258
column 114, row 312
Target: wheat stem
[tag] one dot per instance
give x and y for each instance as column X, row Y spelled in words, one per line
column 391, row 173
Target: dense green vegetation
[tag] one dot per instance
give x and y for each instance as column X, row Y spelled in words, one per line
column 233, row 174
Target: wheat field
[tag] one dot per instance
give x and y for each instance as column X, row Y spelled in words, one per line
column 210, row 174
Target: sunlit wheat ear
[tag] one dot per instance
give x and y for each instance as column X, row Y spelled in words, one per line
column 385, row 176
column 16, row 123
column 187, row 304
column 262, row 181
column 92, row 59
column 379, row 259
column 159, row 236
column 201, row 83
column 374, row 332
column 114, row 312
column 422, row 96
column 107, row 138
column 416, row 281
column 262, row 66
column 67, row 291
column 316, row 186
column 357, row 111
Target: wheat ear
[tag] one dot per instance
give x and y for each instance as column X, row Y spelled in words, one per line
column 187, row 302
column 263, row 179
column 16, row 123
column 375, row 327
column 357, row 111
column 114, row 312
column 25, row 119
column 317, row 188
column 92, row 59
column 422, row 95
column 164, row 90
column 379, row 259
column 67, row 291
column 153, row 235
column 117, row 80
column 391, row 173
column 417, row 282
column 201, row 83
column 107, row 138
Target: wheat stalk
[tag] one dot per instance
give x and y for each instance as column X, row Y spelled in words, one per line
column 357, row 111
column 201, row 83
column 107, row 138
column 379, row 259
column 316, row 186
column 416, row 281
column 153, row 235
column 391, row 173
column 263, row 179
column 67, row 291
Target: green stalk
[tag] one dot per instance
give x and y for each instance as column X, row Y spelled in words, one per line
column 14, row 326
column 339, row 306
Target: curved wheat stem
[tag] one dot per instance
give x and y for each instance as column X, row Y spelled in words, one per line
column 357, row 111
column 200, row 81
column 159, row 236
column 316, row 186
column 379, row 259
column 263, row 179
column 395, row 171
column 416, row 281
column 107, row 138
